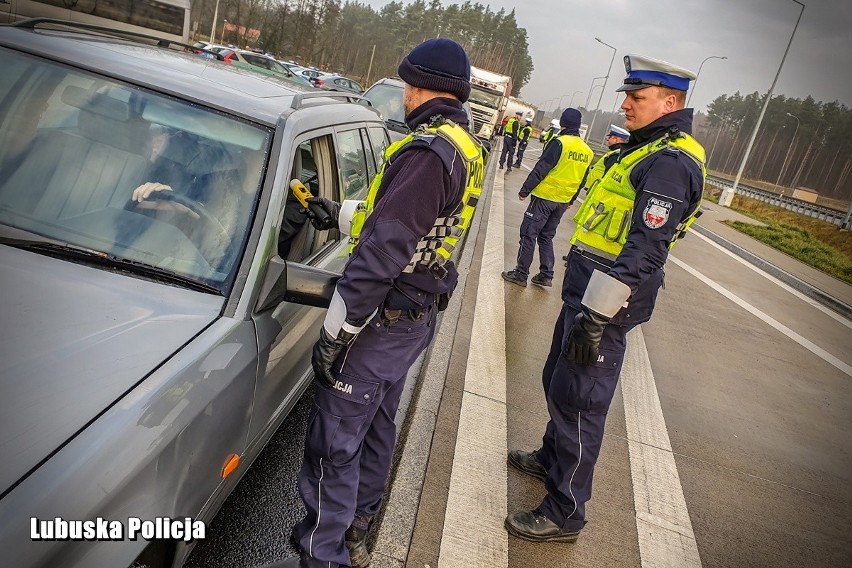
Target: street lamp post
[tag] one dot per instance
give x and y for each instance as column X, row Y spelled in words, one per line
column 606, row 79
column 728, row 193
column 591, row 86
column 699, row 74
column 213, row 27
column 571, row 103
column 784, row 163
column 222, row 37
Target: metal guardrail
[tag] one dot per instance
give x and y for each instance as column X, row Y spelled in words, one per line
column 795, row 205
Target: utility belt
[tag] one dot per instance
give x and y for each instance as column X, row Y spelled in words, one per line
column 396, row 301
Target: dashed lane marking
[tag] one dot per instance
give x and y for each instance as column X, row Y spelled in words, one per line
column 666, row 539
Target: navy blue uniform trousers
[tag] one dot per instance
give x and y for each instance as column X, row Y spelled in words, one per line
column 508, row 151
column 522, row 145
column 541, row 219
column 351, row 435
column 578, row 399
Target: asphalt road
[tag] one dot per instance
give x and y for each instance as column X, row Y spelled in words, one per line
column 253, row 526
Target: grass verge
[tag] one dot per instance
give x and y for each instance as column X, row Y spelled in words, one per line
column 816, row 243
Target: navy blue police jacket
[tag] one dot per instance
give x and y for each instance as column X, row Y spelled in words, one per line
column 425, row 180
column 667, row 175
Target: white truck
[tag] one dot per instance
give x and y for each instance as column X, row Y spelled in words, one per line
column 489, row 95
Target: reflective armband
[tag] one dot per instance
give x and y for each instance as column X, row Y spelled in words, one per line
column 605, row 295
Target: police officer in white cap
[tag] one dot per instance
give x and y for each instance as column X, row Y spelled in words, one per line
column 645, row 200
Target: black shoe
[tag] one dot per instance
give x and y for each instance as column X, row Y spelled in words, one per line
column 565, row 258
column 501, row 166
column 518, row 165
column 508, row 170
column 542, row 280
column 525, row 462
column 515, row 278
column 356, row 542
column 534, row 526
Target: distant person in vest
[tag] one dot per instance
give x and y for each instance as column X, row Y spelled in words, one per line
column 553, row 182
column 384, row 308
column 523, row 139
column 645, row 201
column 510, row 140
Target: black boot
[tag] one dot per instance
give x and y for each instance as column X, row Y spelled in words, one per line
column 542, row 280
column 515, row 278
column 356, row 542
column 534, row 526
column 526, row 462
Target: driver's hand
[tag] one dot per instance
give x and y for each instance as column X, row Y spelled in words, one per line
column 142, row 192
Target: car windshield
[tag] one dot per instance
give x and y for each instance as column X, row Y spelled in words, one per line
column 484, row 97
column 131, row 175
column 387, row 99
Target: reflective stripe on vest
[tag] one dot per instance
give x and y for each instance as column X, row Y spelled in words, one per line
column 434, row 249
column 604, row 219
column 562, row 183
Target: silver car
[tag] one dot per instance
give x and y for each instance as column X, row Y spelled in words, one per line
column 159, row 283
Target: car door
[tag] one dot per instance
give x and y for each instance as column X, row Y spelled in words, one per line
column 286, row 333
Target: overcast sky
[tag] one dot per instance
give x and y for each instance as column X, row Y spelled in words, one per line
column 751, row 33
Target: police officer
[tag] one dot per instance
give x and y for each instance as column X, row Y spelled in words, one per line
column 510, row 140
column 554, row 182
column 551, row 131
column 646, row 200
column 383, row 311
column 523, row 138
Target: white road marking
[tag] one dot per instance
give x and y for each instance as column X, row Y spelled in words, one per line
column 666, row 539
column 785, row 287
column 473, row 535
column 809, row 345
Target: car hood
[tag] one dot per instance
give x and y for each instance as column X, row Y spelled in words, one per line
column 73, row 340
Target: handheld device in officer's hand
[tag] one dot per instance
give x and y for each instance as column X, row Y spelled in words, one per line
column 315, row 210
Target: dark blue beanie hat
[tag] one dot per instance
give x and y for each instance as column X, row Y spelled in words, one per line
column 570, row 119
column 438, row 64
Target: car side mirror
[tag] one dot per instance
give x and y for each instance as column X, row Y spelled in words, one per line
column 288, row 281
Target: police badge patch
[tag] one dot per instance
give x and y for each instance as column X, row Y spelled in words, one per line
column 656, row 213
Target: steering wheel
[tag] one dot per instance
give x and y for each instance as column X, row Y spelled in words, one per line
column 222, row 234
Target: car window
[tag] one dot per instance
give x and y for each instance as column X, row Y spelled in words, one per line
column 257, row 60
column 356, row 86
column 387, row 99
column 342, row 83
column 313, row 165
column 74, row 148
column 380, row 141
column 371, row 160
column 354, row 175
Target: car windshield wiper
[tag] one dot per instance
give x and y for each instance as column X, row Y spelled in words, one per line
column 66, row 251
column 396, row 122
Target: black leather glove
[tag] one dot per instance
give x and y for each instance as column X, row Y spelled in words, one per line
column 585, row 337
column 323, row 213
column 326, row 351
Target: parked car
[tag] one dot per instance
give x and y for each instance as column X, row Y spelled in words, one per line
column 338, row 83
column 255, row 62
column 154, row 337
column 310, row 73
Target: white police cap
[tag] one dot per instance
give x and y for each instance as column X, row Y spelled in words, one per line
column 617, row 131
column 645, row 72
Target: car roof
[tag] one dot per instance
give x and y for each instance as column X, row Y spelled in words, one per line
column 392, row 81
column 244, row 93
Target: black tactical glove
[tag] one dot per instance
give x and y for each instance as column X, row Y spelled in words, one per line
column 585, row 337
column 326, row 351
column 323, row 213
